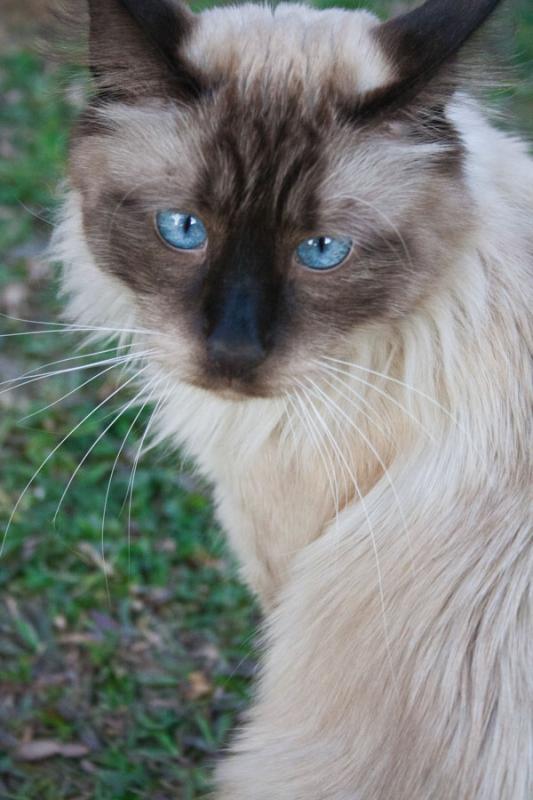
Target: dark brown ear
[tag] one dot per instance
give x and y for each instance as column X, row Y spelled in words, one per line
column 421, row 43
column 135, row 45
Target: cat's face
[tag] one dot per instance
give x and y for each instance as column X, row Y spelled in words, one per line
column 248, row 200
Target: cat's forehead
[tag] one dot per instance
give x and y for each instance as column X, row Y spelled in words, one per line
column 266, row 138
column 288, row 45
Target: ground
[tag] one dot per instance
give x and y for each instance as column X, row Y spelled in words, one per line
column 119, row 678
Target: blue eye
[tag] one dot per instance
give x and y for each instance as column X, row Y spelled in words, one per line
column 323, row 252
column 183, row 231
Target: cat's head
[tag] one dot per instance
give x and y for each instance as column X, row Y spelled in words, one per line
column 258, row 184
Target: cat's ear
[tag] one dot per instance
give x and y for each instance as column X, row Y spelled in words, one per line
column 135, row 48
column 422, row 43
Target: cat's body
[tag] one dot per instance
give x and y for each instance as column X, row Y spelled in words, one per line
column 379, row 496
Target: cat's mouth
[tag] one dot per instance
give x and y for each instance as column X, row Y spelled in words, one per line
column 234, row 373
column 232, row 387
column 237, row 382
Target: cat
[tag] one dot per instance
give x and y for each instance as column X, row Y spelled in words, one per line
column 328, row 249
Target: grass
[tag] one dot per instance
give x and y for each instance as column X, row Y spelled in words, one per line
column 143, row 662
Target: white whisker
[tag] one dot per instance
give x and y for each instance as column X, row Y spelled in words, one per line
column 151, row 386
column 55, row 373
column 35, row 215
column 323, row 454
column 384, row 394
column 138, row 454
column 419, row 393
column 83, row 329
column 378, row 458
column 398, row 382
column 126, row 362
column 371, row 532
column 52, row 453
column 290, row 425
column 99, row 438
column 67, row 394
column 72, row 326
column 371, row 419
column 31, row 372
column 51, row 323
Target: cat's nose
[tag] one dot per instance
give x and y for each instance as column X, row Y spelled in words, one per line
column 234, row 356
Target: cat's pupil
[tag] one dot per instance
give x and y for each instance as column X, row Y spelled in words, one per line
column 187, row 224
column 323, row 243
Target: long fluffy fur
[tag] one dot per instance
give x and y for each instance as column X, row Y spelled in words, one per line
column 398, row 630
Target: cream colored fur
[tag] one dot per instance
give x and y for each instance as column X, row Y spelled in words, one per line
column 293, row 43
column 398, row 636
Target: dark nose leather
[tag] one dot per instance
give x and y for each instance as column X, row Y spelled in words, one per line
column 234, row 356
column 240, row 301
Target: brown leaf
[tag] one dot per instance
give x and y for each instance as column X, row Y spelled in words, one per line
column 13, row 297
column 96, row 558
column 12, row 606
column 60, row 622
column 79, row 638
column 199, row 686
column 40, row 749
column 167, row 545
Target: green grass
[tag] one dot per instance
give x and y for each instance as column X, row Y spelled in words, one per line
column 148, row 667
